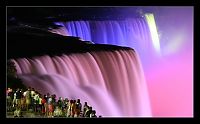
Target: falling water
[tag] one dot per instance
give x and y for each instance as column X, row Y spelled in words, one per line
column 131, row 32
column 112, row 82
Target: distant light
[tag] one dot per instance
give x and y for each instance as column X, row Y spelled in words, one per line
column 153, row 31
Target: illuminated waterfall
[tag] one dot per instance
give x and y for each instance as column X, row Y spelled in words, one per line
column 138, row 33
column 153, row 30
column 112, row 82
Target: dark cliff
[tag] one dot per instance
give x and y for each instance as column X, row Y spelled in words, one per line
column 28, row 42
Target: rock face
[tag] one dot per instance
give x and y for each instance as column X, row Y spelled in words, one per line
column 27, row 42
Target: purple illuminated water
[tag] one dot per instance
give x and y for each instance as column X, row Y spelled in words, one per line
column 112, row 83
column 108, row 32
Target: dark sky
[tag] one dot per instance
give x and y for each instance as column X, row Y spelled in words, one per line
column 39, row 13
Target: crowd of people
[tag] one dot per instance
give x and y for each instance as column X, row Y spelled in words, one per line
column 19, row 100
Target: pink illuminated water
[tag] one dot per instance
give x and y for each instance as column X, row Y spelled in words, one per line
column 112, row 83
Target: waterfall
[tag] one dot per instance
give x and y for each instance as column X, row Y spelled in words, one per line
column 133, row 33
column 137, row 33
column 112, row 82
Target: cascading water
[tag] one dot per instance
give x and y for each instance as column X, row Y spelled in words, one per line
column 112, row 82
column 130, row 32
column 137, row 33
